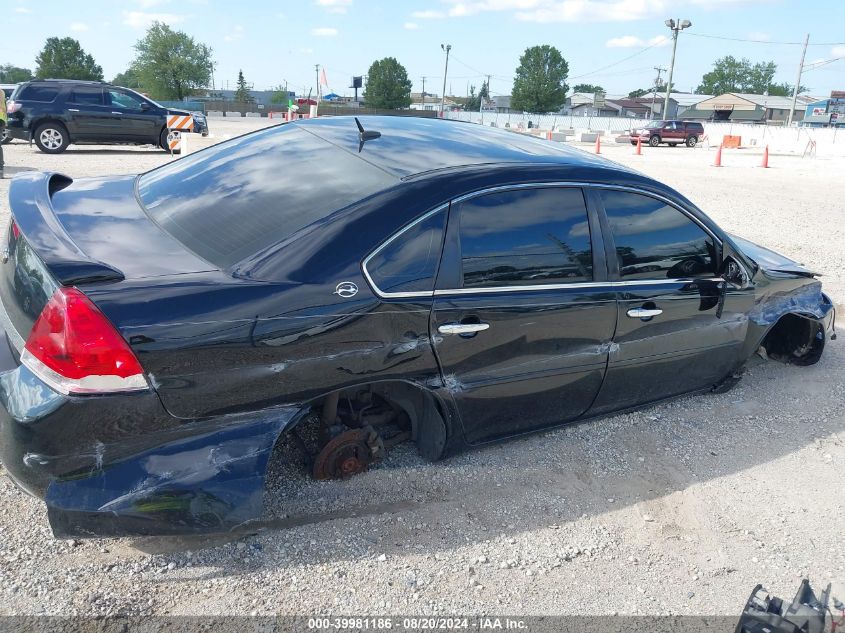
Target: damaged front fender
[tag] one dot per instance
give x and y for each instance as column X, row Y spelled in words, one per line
column 211, row 482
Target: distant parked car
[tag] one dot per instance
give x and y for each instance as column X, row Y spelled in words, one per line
column 55, row 113
column 669, row 132
column 8, row 89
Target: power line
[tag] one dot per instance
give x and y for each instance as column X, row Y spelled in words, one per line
column 616, row 63
column 816, row 65
column 753, row 41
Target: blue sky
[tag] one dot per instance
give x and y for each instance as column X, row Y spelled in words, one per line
column 280, row 41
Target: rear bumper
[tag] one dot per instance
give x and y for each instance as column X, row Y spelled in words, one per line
column 121, row 465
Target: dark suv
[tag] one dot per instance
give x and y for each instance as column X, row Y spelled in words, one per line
column 57, row 112
column 669, row 132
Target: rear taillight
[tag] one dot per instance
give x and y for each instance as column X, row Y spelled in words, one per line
column 76, row 350
column 12, row 107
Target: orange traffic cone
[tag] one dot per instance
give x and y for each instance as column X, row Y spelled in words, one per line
column 639, row 147
column 549, row 135
column 598, row 144
column 765, row 163
column 718, row 162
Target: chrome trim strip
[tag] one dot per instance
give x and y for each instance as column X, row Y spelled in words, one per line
column 383, row 245
column 534, row 185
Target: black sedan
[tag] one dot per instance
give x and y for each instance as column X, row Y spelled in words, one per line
column 409, row 280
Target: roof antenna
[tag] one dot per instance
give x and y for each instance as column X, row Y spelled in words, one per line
column 365, row 135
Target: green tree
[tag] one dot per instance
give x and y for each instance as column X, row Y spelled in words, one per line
column 540, row 83
column 388, row 85
column 639, row 92
column 128, row 79
column 14, row 75
column 280, row 96
column 242, row 94
column 64, row 58
column 474, row 102
column 170, row 64
column 730, row 74
column 588, row 88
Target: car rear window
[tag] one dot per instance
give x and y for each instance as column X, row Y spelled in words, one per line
column 37, row 93
column 240, row 197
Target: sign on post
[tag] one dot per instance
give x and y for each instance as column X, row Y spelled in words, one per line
column 176, row 124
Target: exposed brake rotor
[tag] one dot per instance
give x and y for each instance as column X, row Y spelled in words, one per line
column 348, row 454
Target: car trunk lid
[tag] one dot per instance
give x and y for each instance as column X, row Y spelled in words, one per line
column 67, row 233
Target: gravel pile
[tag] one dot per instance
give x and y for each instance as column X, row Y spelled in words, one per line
column 681, row 508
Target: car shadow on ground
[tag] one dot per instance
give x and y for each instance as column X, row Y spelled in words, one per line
column 10, row 171
column 115, row 152
column 549, row 479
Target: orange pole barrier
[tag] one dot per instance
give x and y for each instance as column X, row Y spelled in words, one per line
column 718, row 162
column 639, row 147
column 598, row 144
column 765, row 163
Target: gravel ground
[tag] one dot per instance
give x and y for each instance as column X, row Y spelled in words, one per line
column 681, row 508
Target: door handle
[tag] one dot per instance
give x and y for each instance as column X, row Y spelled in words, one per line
column 644, row 313
column 462, row 328
column 117, row 112
column 73, row 109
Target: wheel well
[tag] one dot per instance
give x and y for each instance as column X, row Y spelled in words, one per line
column 795, row 339
column 41, row 122
column 346, row 430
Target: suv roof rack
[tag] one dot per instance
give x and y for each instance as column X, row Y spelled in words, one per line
column 75, row 81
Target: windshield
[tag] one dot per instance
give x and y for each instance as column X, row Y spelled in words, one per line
column 242, row 196
column 654, row 124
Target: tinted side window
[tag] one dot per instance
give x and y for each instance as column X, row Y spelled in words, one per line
column 409, row 262
column 124, row 100
column 38, row 93
column 86, row 96
column 656, row 241
column 525, row 237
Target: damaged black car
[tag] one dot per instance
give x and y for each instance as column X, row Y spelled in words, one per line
column 419, row 281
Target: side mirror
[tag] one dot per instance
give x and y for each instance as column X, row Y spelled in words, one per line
column 735, row 274
column 145, row 106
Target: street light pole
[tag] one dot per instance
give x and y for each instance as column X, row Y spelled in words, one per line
column 446, row 48
column 677, row 27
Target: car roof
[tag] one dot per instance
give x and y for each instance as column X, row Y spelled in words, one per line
column 413, row 145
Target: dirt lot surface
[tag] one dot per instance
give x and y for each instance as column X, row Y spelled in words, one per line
column 681, row 508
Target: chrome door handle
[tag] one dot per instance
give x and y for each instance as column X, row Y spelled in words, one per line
column 117, row 112
column 462, row 328
column 644, row 313
column 73, row 110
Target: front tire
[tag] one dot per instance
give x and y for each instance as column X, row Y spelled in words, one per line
column 692, row 141
column 654, row 141
column 51, row 138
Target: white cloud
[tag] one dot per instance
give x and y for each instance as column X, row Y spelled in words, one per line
column 428, row 15
column 22, row 10
column 837, row 51
column 335, row 6
column 78, row 27
column 411, row 26
column 142, row 19
column 759, row 36
column 149, row 4
column 632, row 41
column 235, row 34
column 324, row 31
column 306, row 51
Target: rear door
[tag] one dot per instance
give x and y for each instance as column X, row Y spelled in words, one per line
column 89, row 118
column 523, row 314
column 675, row 334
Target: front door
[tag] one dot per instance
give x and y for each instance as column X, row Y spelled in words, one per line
column 523, row 315
column 138, row 125
column 676, row 331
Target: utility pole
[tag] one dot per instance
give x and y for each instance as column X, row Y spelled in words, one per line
column 481, row 99
column 317, row 70
column 677, row 27
column 659, row 70
column 423, row 93
column 446, row 48
column 798, row 80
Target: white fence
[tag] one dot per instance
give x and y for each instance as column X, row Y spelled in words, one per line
column 785, row 140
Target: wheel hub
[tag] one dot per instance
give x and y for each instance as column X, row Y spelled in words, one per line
column 348, row 454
